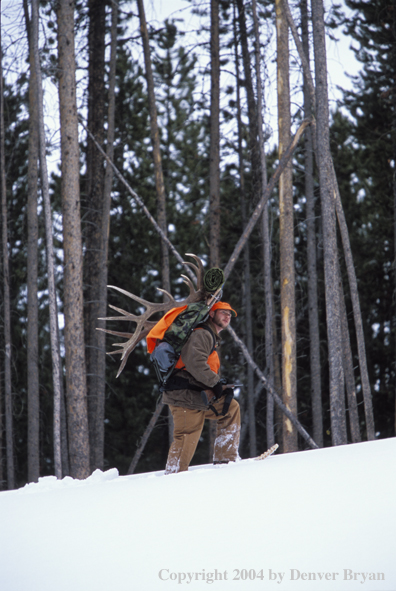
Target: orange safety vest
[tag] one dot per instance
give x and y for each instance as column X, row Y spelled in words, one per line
column 159, row 330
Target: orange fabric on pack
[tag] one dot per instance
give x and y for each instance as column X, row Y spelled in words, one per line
column 213, row 361
column 158, row 331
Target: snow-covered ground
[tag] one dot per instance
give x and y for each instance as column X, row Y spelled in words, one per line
column 315, row 520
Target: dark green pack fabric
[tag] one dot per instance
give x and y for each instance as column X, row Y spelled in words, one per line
column 167, row 352
column 181, row 328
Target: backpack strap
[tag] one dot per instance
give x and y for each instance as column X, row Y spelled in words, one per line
column 175, row 382
column 206, row 327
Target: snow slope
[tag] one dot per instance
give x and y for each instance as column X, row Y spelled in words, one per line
column 315, row 520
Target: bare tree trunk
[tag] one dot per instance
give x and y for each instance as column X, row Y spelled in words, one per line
column 286, row 220
column 214, row 160
column 94, row 263
column 33, row 458
column 270, row 335
column 214, row 156
column 56, row 365
column 394, row 179
column 337, row 406
column 159, row 177
column 72, row 244
column 2, row 172
column 145, row 437
column 155, row 139
column 64, row 438
column 313, row 313
column 348, row 366
column 246, row 286
column 105, row 230
column 357, row 315
column 251, row 103
column 6, row 294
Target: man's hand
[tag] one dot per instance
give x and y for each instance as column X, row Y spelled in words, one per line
column 210, row 396
column 216, row 393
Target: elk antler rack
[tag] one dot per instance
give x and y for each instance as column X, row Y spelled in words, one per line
column 143, row 324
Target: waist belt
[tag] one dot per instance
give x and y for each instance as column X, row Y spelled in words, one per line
column 176, row 382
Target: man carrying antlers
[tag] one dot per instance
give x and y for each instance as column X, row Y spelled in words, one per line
column 195, row 393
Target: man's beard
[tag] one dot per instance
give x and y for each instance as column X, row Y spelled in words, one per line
column 217, row 322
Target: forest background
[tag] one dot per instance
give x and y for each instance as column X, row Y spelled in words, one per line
column 187, row 120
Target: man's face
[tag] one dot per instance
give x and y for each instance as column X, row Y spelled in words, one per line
column 221, row 318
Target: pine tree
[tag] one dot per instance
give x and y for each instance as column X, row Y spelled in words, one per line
column 372, row 106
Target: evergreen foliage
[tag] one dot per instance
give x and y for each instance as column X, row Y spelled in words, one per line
column 370, row 143
column 363, row 149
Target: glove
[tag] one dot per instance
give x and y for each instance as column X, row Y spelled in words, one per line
column 229, row 392
column 218, row 390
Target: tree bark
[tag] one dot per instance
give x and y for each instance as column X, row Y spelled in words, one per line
column 337, row 406
column 286, row 221
column 214, row 155
column 159, row 177
column 105, row 231
column 251, row 103
column 64, row 437
column 72, row 245
column 155, row 140
column 394, row 178
column 270, row 334
column 348, row 367
column 56, row 364
column 94, row 252
column 313, row 312
column 214, row 159
column 246, row 285
column 357, row 315
column 145, row 437
column 32, row 267
column 6, row 295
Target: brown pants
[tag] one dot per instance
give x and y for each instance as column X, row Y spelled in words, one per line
column 188, row 425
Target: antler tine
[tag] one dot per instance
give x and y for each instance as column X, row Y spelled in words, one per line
column 171, row 298
column 149, row 305
column 127, row 347
column 188, row 282
column 127, row 350
column 125, row 315
column 123, row 362
column 116, row 333
column 199, row 270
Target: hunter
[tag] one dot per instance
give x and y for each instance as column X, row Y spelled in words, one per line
column 195, row 392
